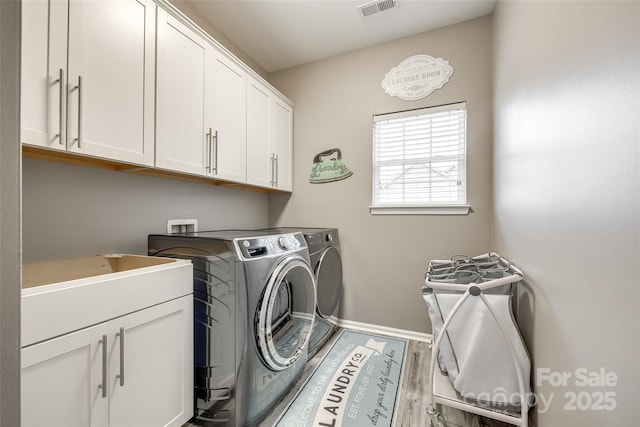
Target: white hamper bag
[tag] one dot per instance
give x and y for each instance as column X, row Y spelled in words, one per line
column 474, row 352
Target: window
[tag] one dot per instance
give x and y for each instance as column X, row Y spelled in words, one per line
column 419, row 161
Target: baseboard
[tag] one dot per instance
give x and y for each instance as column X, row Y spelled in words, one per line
column 383, row 330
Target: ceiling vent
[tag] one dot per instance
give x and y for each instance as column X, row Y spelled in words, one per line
column 376, row 6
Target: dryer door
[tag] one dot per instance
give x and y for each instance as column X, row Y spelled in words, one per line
column 286, row 313
column 328, row 281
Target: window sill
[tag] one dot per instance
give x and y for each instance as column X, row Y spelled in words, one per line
column 420, row 210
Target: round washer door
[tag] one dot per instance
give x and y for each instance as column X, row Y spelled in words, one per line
column 328, row 281
column 286, row 313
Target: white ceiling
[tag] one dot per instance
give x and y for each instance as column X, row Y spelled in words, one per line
column 279, row 34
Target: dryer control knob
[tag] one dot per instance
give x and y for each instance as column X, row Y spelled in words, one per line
column 283, row 243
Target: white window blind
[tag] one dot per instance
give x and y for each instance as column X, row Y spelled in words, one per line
column 419, row 158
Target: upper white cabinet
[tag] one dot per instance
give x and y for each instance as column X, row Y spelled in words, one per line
column 281, row 142
column 182, row 144
column 88, row 77
column 201, row 107
column 269, row 138
column 43, row 73
column 259, row 157
column 225, row 114
column 135, row 82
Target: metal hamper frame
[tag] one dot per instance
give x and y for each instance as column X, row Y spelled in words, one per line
column 440, row 389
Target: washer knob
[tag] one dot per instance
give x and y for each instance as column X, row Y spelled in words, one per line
column 283, row 243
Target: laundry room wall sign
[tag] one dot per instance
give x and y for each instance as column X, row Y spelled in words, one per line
column 328, row 167
column 417, row 77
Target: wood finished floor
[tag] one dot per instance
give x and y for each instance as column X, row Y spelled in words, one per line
column 411, row 411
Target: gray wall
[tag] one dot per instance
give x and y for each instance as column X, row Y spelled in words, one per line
column 73, row 211
column 567, row 194
column 9, row 213
column 185, row 6
column 385, row 257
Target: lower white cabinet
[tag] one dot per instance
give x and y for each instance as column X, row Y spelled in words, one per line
column 135, row 370
column 60, row 379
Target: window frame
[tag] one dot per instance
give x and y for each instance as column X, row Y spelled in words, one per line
column 447, row 208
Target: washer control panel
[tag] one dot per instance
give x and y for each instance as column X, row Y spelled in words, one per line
column 263, row 246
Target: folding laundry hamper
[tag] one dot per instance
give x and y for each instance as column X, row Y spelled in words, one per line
column 484, row 364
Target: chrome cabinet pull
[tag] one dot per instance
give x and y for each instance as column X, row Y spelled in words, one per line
column 60, row 105
column 103, row 386
column 208, row 151
column 79, row 88
column 215, row 152
column 277, row 170
column 121, row 374
column 273, row 170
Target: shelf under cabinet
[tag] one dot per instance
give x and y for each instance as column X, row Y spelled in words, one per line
column 40, row 153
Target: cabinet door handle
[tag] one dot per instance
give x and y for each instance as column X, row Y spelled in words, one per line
column 215, row 152
column 60, row 81
column 273, row 169
column 121, row 374
column 208, row 151
column 277, row 170
column 79, row 88
column 103, row 386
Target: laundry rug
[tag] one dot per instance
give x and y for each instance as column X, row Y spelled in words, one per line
column 355, row 385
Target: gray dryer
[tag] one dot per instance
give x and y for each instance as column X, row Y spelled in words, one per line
column 326, row 261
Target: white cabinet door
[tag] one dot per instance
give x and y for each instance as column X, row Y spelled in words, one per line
column 259, row 160
column 145, row 371
column 181, row 140
column 96, row 97
column 280, row 140
column 111, row 79
column 43, row 73
column 269, row 138
column 62, row 381
column 153, row 355
column 225, row 117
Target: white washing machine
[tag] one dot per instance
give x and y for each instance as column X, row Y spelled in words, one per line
column 326, row 261
column 254, row 309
